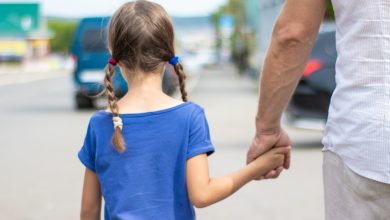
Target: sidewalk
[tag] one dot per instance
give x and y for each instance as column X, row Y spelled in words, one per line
column 22, row 77
column 46, row 64
column 34, row 70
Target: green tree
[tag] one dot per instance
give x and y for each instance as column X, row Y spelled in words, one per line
column 236, row 9
column 215, row 17
column 329, row 11
column 63, row 35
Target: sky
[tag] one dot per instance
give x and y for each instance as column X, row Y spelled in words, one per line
column 82, row 8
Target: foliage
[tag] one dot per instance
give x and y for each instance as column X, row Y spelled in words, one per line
column 215, row 18
column 329, row 11
column 63, row 35
column 236, row 9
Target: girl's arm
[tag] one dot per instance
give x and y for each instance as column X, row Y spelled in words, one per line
column 92, row 197
column 204, row 191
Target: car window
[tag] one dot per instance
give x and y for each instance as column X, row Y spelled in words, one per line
column 94, row 40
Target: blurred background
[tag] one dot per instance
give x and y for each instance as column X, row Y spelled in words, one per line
column 52, row 55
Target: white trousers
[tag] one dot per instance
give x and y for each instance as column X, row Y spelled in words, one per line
column 349, row 196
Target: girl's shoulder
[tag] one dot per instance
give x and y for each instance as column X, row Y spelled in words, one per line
column 185, row 109
column 195, row 107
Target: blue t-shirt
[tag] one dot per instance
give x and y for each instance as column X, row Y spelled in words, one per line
column 148, row 180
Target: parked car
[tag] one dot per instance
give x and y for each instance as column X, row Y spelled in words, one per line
column 309, row 105
column 90, row 53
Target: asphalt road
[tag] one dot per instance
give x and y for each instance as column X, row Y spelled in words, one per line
column 40, row 134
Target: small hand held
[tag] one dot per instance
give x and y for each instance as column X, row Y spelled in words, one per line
column 263, row 142
column 270, row 160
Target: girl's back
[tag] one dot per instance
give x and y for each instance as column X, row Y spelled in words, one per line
column 152, row 165
column 147, row 180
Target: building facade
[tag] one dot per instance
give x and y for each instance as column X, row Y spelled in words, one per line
column 23, row 32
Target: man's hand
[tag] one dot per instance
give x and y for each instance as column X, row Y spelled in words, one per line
column 263, row 142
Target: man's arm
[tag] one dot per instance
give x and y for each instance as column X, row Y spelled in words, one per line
column 294, row 34
column 292, row 40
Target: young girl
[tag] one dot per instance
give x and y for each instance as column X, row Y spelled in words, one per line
column 147, row 154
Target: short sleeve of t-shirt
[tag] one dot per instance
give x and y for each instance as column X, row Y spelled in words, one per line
column 199, row 139
column 87, row 151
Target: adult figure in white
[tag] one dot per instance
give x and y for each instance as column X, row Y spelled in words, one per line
column 356, row 164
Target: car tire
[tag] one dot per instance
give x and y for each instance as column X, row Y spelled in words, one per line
column 84, row 102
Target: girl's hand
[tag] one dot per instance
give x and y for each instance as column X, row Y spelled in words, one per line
column 271, row 160
column 263, row 142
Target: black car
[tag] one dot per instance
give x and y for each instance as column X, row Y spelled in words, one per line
column 309, row 105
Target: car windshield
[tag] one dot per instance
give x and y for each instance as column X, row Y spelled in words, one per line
column 94, row 40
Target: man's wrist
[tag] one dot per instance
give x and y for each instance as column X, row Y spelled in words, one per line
column 267, row 128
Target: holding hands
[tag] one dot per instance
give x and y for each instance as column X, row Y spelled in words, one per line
column 272, row 150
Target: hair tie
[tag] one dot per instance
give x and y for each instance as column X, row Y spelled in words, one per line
column 174, row 61
column 113, row 61
column 117, row 122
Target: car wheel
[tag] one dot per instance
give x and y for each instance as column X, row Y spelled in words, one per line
column 84, row 102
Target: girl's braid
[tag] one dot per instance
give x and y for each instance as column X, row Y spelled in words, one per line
column 117, row 139
column 182, row 80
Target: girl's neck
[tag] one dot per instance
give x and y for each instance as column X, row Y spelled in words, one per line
column 142, row 83
column 147, row 86
column 145, row 94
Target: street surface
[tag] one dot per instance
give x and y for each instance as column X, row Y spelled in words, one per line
column 41, row 133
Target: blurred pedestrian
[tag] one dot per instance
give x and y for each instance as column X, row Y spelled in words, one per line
column 147, row 154
column 240, row 57
column 356, row 163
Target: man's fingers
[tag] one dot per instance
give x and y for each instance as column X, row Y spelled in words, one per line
column 270, row 174
column 279, row 170
column 253, row 153
column 274, row 173
column 287, row 155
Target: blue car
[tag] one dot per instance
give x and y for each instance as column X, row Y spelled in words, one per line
column 90, row 53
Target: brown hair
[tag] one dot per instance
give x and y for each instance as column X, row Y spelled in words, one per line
column 140, row 37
